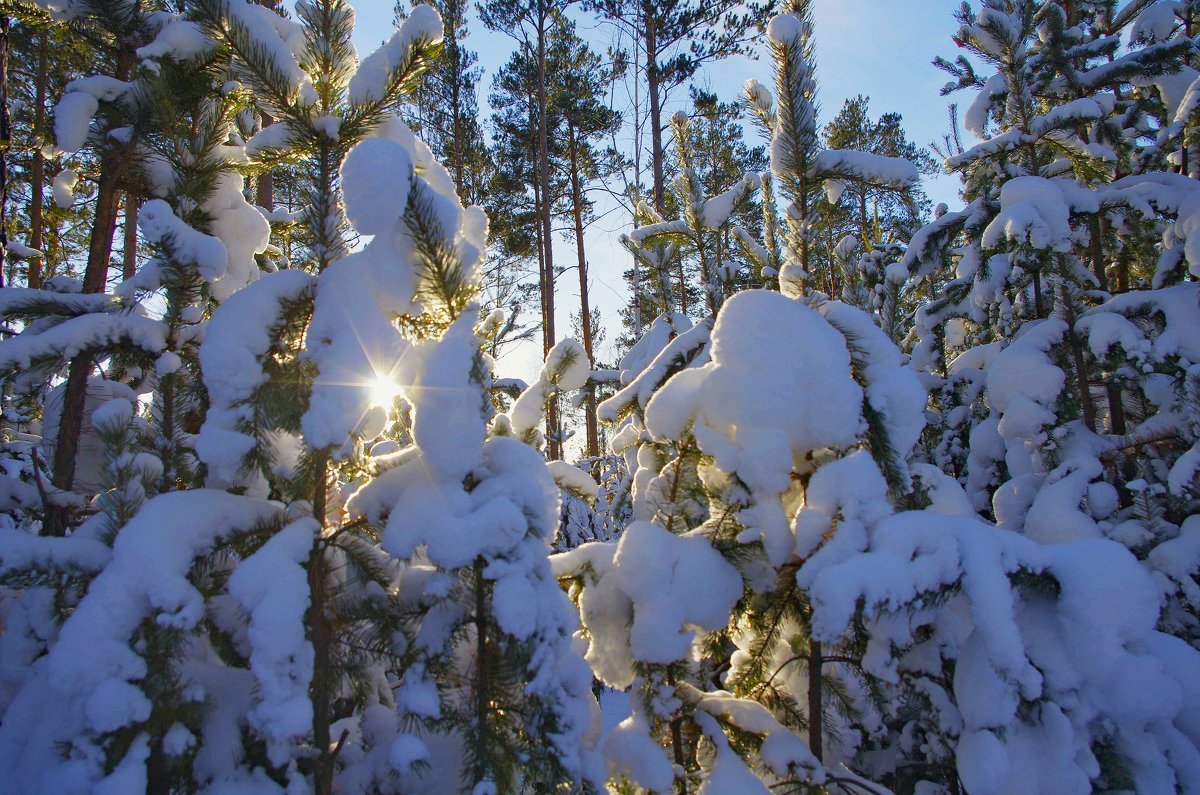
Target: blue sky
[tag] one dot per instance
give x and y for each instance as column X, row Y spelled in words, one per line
column 880, row 48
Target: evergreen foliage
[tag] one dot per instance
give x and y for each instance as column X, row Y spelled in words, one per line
column 872, row 502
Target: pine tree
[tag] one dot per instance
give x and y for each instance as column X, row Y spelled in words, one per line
column 676, row 40
column 293, row 625
column 582, row 82
column 532, row 25
column 446, row 107
column 44, row 56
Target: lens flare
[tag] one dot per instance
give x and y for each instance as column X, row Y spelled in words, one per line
column 383, row 392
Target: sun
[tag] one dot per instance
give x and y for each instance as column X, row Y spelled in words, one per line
column 383, row 391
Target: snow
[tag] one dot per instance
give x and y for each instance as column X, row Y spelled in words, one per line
column 72, row 336
column 1107, row 329
column 237, row 338
column 277, row 137
column 179, row 39
column 755, row 413
column 675, row 583
column 982, row 762
column 22, row 550
column 1180, row 334
column 406, row 750
column 241, row 229
column 1033, row 211
column 720, row 395
column 72, row 119
column 63, row 188
column 261, row 28
column 161, row 226
column 272, row 587
column 834, row 188
column 572, row 479
column 1027, row 654
column 130, row 775
column 1155, row 23
column 976, row 116
column 352, row 338
column 727, row 773
column 90, row 674
column 448, row 418
column 1179, row 558
column 716, row 211
column 567, row 365
column 371, row 173
column 631, row 752
column 376, row 72
column 1071, row 113
column 866, row 167
column 19, row 249
column 784, row 30
column 782, row 751
column 1023, row 367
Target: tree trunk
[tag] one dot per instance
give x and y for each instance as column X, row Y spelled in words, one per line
column 1096, row 245
column 320, row 635
column 654, row 92
column 654, row 86
column 264, row 189
column 552, row 430
column 1116, row 409
column 264, row 193
column 453, row 55
column 1083, row 393
column 585, row 310
column 1183, row 137
column 5, row 143
column 129, row 253
column 114, row 163
column 816, row 709
column 37, row 175
column 482, row 693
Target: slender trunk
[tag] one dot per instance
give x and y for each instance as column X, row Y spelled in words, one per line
column 862, row 221
column 637, row 180
column 330, row 247
column 320, row 635
column 1116, row 409
column 1122, row 275
column 816, row 709
column 5, row 142
column 554, row 445
column 1083, row 393
column 457, row 164
column 1183, row 138
column 482, row 666
column 706, row 272
column 129, row 254
column 677, row 745
column 264, row 193
column 653, row 80
column 114, row 163
column 37, row 175
column 1037, row 293
column 1096, row 246
column 264, row 190
column 654, row 93
column 803, row 202
column 168, row 450
column 547, row 343
column 585, row 310
column 716, row 292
